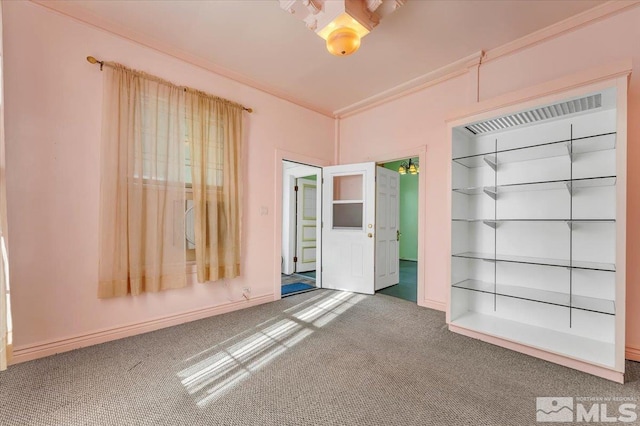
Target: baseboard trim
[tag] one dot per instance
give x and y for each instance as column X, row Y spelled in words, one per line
column 632, row 353
column 41, row 350
column 434, row 304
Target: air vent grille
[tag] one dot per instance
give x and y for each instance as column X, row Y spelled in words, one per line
column 538, row 114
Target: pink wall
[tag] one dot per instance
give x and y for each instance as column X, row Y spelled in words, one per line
column 419, row 119
column 410, row 122
column 53, row 120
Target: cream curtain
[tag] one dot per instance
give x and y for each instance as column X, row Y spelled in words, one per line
column 5, row 309
column 214, row 131
column 142, row 244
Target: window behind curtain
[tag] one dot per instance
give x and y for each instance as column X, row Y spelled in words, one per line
column 215, row 155
column 159, row 123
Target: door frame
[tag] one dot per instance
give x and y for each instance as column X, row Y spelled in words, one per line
column 280, row 156
column 421, row 153
column 297, row 237
column 290, row 244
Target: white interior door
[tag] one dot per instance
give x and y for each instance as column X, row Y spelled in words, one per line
column 387, row 233
column 306, row 225
column 348, row 213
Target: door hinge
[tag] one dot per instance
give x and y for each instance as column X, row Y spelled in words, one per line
column 322, row 180
column 295, row 259
column 295, row 188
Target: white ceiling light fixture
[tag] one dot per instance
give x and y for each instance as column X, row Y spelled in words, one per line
column 342, row 23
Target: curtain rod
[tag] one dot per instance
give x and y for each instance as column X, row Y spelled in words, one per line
column 93, row 60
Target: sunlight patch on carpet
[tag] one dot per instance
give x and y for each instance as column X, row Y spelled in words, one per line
column 210, row 378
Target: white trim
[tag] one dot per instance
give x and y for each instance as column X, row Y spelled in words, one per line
column 621, row 84
column 52, row 347
column 280, row 156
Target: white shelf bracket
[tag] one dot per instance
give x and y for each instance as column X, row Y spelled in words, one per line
column 569, row 151
column 492, row 161
column 569, row 224
column 569, row 186
column 491, row 223
column 490, row 191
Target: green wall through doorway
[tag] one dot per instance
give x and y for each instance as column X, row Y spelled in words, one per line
column 408, row 212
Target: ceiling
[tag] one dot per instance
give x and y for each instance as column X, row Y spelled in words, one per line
column 260, row 43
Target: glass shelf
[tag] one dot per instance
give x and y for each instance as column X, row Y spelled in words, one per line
column 567, row 147
column 584, row 303
column 347, row 201
column 476, row 190
column 566, row 263
column 567, row 184
column 568, row 221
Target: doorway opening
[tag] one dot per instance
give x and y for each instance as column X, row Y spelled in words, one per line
column 301, row 227
column 407, row 287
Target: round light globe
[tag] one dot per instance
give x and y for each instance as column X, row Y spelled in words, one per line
column 343, row 41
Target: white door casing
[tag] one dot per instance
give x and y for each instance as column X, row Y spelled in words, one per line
column 291, row 171
column 387, row 233
column 306, row 225
column 348, row 215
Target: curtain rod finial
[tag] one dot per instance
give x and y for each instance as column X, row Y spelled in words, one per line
column 249, row 110
column 93, row 60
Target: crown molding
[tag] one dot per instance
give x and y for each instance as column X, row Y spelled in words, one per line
column 422, row 82
column 77, row 13
column 555, row 30
column 592, row 76
column 432, row 78
column 461, row 66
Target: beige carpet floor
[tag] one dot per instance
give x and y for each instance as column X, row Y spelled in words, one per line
column 319, row 358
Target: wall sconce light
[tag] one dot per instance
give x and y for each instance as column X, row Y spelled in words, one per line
column 409, row 167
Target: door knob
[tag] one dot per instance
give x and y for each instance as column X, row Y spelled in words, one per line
column 370, row 235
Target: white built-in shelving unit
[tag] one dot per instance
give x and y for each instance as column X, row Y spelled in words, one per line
column 535, row 231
